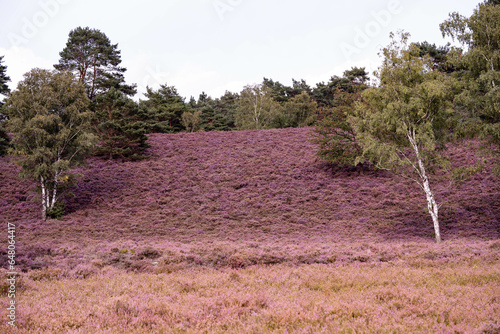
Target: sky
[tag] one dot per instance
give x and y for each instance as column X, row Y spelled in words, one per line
column 214, row 46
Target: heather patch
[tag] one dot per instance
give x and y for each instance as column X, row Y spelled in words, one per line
column 239, row 207
column 316, row 298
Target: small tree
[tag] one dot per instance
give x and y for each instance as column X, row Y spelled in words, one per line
column 49, row 116
column 401, row 125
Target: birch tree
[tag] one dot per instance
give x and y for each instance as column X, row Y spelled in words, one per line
column 401, row 125
column 50, row 120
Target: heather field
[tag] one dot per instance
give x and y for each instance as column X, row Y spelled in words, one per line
column 247, row 232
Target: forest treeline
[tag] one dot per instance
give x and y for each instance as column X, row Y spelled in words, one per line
column 425, row 96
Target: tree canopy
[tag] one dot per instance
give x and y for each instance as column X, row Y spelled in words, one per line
column 50, row 118
column 479, row 102
column 403, row 123
column 90, row 55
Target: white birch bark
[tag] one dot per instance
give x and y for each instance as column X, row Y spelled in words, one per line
column 44, row 198
column 432, row 206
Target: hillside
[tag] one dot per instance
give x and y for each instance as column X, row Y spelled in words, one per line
column 241, row 198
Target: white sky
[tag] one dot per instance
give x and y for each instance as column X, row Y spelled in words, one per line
column 219, row 45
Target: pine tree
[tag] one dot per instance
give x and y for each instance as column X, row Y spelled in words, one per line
column 117, row 122
column 90, row 56
column 163, row 109
column 4, row 90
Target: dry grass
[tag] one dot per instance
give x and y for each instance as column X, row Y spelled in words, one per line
column 374, row 298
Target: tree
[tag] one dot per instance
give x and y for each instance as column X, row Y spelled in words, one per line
column 50, row 119
column 439, row 56
column 325, row 94
column 479, row 102
column 300, row 110
column 257, row 108
column 191, row 120
column 218, row 114
column 162, row 111
column 333, row 133
column 402, row 124
column 90, row 55
column 121, row 132
column 4, row 90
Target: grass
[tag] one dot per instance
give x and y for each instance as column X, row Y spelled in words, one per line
column 318, row 298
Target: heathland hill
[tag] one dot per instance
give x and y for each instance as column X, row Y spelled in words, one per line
column 240, row 198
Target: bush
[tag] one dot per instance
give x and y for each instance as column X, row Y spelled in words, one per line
column 57, row 211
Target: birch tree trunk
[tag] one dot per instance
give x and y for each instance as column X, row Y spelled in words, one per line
column 432, row 206
column 44, row 198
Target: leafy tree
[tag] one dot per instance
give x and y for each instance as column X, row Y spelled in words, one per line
column 401, row 125
column 120, row 129
column 300, row 110
column 50, row 118
column 257, row 108
column 479, row 102
column 90, row 55
column 162, row 111
column 191, row 120
column 4, row 90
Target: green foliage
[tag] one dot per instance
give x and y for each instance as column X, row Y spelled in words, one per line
column 464, row 173
column 57, row 211
column 411, row 102
column 4, row 89
column 326, row 94
column 298, row 111
column 439, row 56
column 117, row 122
column 333, row 133
column 218, row 114
column 191, row 120
column 50, row 119
column 4, row 141
column 282, row 93
column 479, row 101
column 401, row 125
column 257, row 109
column 90, row 55
column 163, row 109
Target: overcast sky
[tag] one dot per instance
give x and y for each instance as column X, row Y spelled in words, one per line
column 219, row 45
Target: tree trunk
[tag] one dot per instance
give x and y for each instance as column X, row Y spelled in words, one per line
column 432, row 206
column 44, row 199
